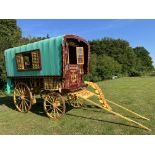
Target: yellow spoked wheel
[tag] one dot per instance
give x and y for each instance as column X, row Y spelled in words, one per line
column 54, row 105
column 22, row 97
column 74, row 101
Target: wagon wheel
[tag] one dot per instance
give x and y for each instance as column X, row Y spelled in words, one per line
column 22, row 97
column 75, row 101
column 54, row 105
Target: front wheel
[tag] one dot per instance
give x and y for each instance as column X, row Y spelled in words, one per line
column 54, row 105
column 74, row 101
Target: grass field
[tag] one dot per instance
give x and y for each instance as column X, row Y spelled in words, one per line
column 137, row 94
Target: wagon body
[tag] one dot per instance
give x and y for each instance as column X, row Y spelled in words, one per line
column 54, row 64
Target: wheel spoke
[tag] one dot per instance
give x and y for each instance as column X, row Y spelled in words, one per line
column 20, row 105
column 54, row 112
column 23, row 106
column 59, row 109
column 57, row 112
column 20, row 90
column 49, row 102
column 17, row 92
column 49, row 109
column 26, row 104
column 48, row 105
column 27, row 100
column 18, row 101
column 51, row 98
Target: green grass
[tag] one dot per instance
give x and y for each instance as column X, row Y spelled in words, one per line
column 137, row 94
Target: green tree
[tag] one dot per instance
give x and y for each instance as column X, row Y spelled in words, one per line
column 103, row 67
column 10, row 33
column 107, row 67
column 119, row 49
column 144, row 62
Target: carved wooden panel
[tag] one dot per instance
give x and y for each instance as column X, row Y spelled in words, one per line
column 35, row 60
column 73, row 77
column 19, row 62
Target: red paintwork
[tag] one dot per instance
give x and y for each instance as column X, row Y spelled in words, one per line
column 73, row 73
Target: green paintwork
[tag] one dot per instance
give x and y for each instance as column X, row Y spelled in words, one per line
column 8, row 86
column 51, row 58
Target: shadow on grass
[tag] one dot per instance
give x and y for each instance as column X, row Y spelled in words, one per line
column 36, row 108
column 104, row 121
column 7, row 101
column 39, row 110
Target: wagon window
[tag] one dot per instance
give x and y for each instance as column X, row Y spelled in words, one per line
column 80, row 55
column 28, row 60
column 20, row 62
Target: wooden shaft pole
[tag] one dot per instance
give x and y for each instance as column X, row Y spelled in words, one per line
column 117, row 114
column 128, row 110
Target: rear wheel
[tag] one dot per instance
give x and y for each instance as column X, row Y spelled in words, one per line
column 22, row 97
column 54, row 105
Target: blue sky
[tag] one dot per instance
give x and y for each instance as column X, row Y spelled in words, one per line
column 136, row 32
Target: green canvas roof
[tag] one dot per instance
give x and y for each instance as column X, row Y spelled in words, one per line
column 51, row 58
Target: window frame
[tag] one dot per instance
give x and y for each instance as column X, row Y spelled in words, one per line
column 27, row 52
column 77, row 56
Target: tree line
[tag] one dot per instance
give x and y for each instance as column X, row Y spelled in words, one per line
column 115, row 57
column 109, row 57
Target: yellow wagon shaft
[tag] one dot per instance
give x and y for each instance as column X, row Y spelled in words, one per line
column 85, row 94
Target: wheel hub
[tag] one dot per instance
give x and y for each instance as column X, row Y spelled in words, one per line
column 22, row 97
column 56, row 103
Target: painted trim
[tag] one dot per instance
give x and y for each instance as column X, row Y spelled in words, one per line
column 8, row 86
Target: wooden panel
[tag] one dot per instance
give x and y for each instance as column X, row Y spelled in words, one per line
column 35, row 60
column 52, row 83
column 19, row 62
column 73, row 77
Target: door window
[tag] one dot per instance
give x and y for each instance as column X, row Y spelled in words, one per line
column 80, row 55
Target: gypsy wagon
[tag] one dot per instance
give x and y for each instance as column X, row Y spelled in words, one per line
column 52, row 67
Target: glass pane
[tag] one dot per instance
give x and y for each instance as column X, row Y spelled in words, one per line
column 80, row 55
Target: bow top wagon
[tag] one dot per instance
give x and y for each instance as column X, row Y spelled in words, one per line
column 52, row 67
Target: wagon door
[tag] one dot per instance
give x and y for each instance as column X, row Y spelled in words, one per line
column 74, row 67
